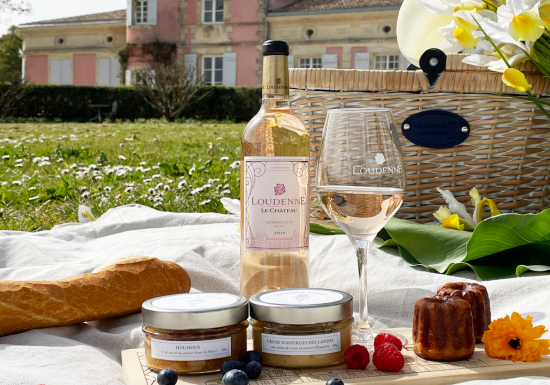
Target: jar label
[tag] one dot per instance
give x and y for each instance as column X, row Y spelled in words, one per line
column 276, row 204
column 301, row 297
column 198, row 301
column 301, row 345
column 190, row 350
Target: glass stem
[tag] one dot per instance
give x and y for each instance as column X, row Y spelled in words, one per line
column 362, row 246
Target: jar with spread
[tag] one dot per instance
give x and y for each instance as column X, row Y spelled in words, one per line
column 194, row 333
column 301, row 328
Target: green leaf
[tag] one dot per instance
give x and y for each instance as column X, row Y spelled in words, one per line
column 508, row 231
column 324, row 229
column 433, row 247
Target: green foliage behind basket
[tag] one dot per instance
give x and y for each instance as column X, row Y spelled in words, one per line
column 70, row 103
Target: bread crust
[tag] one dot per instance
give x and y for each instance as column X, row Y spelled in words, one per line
column 115, row 289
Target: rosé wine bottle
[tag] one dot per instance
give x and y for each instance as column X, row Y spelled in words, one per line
column 274, row 186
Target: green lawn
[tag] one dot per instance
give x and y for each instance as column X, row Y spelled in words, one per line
column 47, row 170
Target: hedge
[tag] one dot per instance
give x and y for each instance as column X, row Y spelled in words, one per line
column 70, row 103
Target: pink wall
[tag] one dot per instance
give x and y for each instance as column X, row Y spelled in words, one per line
column 246, row 66
column 37, row 69
column 355, row 50
column 336, row 50
column 274, row 4
column 84, row 70
column 167, row 29
column 190, row 12
column 244, row 33
column 243, row 11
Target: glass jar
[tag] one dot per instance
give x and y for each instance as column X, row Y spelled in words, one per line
column 301, row 328
column 194, row 333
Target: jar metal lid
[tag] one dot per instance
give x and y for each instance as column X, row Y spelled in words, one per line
column 301, row 306
column 190, row 311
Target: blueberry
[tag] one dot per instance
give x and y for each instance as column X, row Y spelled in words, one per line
column 167, row 377
column 235, row 377
column 335, row 381
column 230, row 365
column 252, row 355
column 253, row 369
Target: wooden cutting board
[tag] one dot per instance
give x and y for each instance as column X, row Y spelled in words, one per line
column 417, row 371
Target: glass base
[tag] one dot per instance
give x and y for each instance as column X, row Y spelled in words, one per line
column 366, row 337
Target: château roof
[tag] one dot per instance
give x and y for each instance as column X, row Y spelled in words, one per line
column 96, row 17
column 328, row 5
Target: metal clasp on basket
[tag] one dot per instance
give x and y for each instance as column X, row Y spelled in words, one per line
column 433, row 63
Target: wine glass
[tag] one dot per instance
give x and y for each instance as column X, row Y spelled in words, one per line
column 361, row 184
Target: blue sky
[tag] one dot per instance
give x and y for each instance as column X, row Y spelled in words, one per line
column 54, row 9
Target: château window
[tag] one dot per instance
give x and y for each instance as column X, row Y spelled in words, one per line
column 212, row 70
column 141, row 12
column 386, row 62
column 212, row 11
column 311, row 62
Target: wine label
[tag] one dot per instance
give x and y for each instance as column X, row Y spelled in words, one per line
column 301, row 345
column 190, row 350
column 276, row 203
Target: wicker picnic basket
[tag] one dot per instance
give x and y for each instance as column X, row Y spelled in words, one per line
column 506, row 156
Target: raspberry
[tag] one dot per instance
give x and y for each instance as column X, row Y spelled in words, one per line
column 387, row 357
column 357, row 357
column 382, row 338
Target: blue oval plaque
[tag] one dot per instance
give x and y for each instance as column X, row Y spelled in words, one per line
column 436, row 129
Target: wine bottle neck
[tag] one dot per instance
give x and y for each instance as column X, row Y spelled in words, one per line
column 271, row 102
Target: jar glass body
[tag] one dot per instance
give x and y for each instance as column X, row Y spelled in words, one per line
column 237, row 334
column 343, row 328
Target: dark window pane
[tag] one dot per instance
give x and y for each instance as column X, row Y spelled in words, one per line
column 208, row 5
column 218, row 76
column 219, row 63
column 208, row 77
column 207, row 63
column 219, row 16
column 219, row 5
column 208, row 17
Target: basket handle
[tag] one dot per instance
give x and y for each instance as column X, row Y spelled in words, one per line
column 433, row 63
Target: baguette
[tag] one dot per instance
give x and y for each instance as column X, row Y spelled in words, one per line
column 114, row 289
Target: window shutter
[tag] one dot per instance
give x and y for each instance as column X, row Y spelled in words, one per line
column 66, row 72
column 128, row 77
column 103, row 76
column 291, row 61
column 114, row 72
column 230, row 69
column 404, row 62
column 362, row 60
column 129, row 12
column 330, row 61
column 55, row 72
column 24, row 69
column 190, row 63
column 152, row 12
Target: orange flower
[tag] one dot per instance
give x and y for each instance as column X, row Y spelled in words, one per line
column 515, row 339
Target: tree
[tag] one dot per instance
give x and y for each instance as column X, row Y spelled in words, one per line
column 169, row 88
column 11, row 92
column 14, row 6
column 10, row 55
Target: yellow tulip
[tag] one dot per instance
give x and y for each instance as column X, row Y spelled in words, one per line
column 526, row 26
column 453, row 222
column 515, row 79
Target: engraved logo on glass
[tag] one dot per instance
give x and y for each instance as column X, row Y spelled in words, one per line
column 199, row 301
column 301, row 297
column 380, row 159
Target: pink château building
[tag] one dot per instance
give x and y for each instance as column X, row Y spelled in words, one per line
column 220, row 39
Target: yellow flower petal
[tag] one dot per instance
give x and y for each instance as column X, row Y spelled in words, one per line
column 465, row 37
column 515, row 79
column 527, row 26
column 443, row 213
column 476, row 198
column 453, row 222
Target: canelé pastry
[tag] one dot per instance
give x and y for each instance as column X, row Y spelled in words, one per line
column 476, row 295
column 443, row 329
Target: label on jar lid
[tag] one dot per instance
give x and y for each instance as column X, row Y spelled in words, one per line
column 301, row 297
column 301, row 345
column 199, row 301
column 190, row 350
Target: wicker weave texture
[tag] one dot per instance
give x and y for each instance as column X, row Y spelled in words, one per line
column 507, row 155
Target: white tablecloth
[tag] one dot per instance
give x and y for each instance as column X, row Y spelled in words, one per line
column 207, row 245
